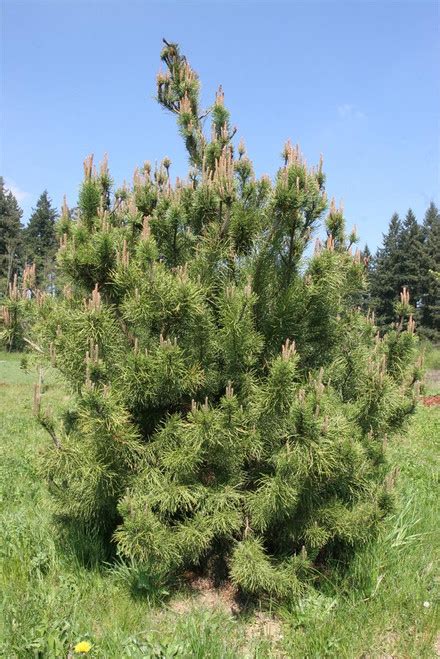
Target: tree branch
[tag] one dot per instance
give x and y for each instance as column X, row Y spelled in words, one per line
column 34, row 346
column 47, row 425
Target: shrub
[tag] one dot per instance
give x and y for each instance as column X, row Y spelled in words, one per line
column 231, row 401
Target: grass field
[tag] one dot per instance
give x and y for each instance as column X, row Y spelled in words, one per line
column 386, row 605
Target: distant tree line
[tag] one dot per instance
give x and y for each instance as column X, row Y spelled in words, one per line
column 34, row 243
column 409, row 256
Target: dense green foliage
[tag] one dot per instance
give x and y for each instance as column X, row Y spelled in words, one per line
column 410, row 257
column 34, row 244
column 430, row 315
column 27, row 263
column 10, row 235
column 232, row 402
column 17, row 314
column 39, row 239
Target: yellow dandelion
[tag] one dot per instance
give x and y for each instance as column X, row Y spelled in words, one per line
column 83, row 647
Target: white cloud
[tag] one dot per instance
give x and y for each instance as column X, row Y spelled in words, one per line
column 349, row 111
column 18, row 193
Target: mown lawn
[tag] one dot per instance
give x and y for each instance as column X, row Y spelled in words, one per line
column 385, row 605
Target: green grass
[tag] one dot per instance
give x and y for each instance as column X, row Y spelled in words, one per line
column 431, row 355
column 51, row 598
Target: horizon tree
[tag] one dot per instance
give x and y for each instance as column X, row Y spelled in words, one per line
column 39, row 238
column 430, row 314
column 410, row 264
column 10, row 235
column 384, row 277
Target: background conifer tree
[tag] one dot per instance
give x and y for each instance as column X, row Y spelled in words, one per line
column 365, row 299
column 408, row 258
column 231, row 404
column 367, row 258
column 430, row 316
column 39, row 239
column 410, row 263
column 10, row 235
column 384, row 279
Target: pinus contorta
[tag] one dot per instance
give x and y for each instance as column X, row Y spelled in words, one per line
column 230, row 400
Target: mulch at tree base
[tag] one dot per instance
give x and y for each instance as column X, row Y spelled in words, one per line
column 431, row 401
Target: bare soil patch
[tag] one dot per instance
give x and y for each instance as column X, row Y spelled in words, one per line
column 204, row 593
column 431, row 401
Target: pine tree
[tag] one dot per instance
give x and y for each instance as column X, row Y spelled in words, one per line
column 431, row 265
column 384, row 277
column 411, row 262
column 40, row 242
column 17, row 314
column 366, row 302
column 230, row 404
column 408, row 258
column 10, row 235
column 367, row 258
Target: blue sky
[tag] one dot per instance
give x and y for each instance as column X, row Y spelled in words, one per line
column 358, row 81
